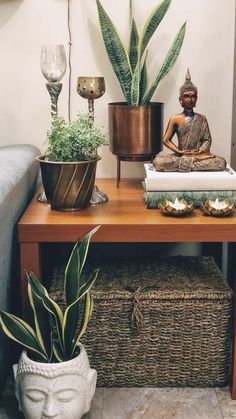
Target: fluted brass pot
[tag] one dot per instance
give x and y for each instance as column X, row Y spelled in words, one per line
column 68, row 185
column 135, row 132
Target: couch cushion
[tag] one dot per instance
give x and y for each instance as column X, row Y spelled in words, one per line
column 18, row 176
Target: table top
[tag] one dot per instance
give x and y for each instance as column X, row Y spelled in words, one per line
column 124, row 218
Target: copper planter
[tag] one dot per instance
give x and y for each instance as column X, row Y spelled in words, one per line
column 68, row 185
column 135, row 131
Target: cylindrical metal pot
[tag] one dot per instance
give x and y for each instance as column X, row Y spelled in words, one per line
column 135, row 131
column 68, row 185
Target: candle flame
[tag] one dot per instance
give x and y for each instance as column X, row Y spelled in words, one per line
column 177, row 204
column 218, row 204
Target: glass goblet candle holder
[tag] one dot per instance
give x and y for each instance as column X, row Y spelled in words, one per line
column 53, row 67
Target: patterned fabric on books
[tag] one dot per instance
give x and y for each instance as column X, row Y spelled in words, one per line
column 153, row 198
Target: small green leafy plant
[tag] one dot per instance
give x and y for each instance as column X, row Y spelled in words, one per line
column 130, row 64
column 74, row 141
column 56, row 335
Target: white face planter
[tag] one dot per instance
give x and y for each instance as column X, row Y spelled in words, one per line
column 59, row 391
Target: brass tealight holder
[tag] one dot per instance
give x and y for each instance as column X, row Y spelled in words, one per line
column 92, row 88
column 217, row 208
column 176, row 208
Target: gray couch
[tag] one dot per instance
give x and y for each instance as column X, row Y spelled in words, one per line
column 18, row 176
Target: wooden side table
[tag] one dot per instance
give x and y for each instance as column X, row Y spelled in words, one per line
column 123, row 218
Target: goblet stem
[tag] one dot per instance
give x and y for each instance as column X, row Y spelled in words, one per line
column 91, row 110
column 54, row 90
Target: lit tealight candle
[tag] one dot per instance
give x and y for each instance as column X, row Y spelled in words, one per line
column 178, row 205
column 218, row 204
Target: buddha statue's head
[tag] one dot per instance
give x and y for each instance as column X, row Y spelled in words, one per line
column 188, row 93
column 60, row 393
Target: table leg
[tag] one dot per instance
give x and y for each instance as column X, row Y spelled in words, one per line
column 118, row 172
column 232, row 281
column 233, row 367
column 30, row 262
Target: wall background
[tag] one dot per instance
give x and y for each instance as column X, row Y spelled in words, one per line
column 25, row 25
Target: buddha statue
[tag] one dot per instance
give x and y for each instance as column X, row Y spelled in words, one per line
column 194, row 138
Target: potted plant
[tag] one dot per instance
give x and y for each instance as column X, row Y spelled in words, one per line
column 135, row 126
column 69, row 165
column 53, row 376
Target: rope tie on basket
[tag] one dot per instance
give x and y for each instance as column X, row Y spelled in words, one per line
column 137, row 316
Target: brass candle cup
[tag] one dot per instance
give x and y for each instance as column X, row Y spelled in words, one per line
column 177, row 208
column 91, row 87
column 217, row 208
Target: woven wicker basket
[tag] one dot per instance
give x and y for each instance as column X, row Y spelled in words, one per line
column 158, row 323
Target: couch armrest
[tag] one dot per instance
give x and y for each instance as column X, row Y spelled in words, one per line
column 18, row 176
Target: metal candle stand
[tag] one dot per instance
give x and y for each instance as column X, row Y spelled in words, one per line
column 91, row 88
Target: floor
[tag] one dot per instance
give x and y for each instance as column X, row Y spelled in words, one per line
column 145, row 403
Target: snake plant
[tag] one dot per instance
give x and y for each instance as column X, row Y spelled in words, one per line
column 130, row 64
column 56, row 335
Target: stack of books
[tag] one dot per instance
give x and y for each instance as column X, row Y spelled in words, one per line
column 195, row 187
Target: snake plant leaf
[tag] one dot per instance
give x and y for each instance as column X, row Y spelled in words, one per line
column 152, row 24
column 72, row 276
column 57, row 351
column 143, row 78
column 86, row 317
column 116, row 51
column 135, row 85
column 88, row 284
column 130, row 11
column 19, row 331
column 91, row 306
column 55, row 335
column 42, row 321
column 168, row 63
column 72, row 315
column 51, row 306
column 41, row 291
column 133, row 45
column 84, row 246
column 69, row 326
column 75, row 266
